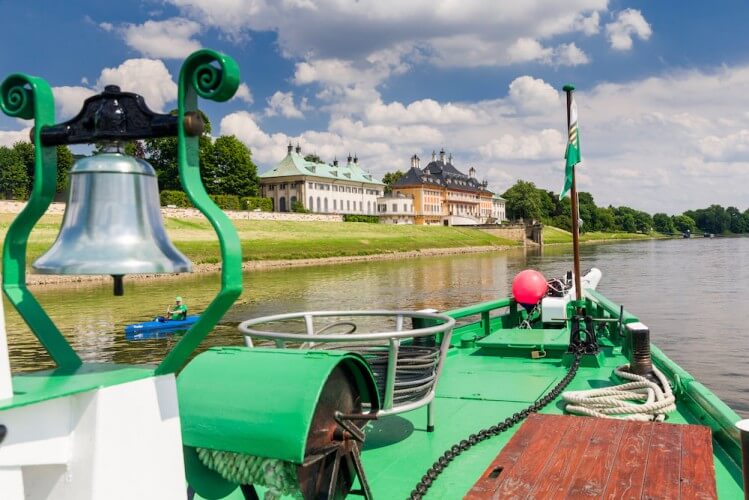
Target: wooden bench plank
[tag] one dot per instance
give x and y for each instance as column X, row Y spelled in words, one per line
column 563, row 463
column 663, row 467
column 493, row 475
column 628, row 474
column 520, row 480
column 697, row 468
column 595, row 466
column 556, row 456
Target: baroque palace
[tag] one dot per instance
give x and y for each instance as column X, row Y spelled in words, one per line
column 320, row 187
column 444, row 195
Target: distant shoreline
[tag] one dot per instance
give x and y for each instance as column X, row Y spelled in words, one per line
column 42, row 280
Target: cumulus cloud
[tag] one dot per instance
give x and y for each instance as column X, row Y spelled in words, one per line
column 423, row 111
column 545, row 145
column 570, row 55
column 10, row 137
column 244, row 94
column 148, row 77
column 169, row 39
column 69, row 100
column 282, row 103
column 629, row 23
column 532, row 95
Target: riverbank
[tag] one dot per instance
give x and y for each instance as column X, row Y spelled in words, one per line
column 269, row 244
column 556, row 236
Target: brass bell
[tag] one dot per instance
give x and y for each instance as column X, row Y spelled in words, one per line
column 112, row 223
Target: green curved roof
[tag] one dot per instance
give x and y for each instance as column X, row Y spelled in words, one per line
column 295, row 164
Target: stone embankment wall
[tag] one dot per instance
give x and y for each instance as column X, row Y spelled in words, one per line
column 13, row 207
column 530, row 234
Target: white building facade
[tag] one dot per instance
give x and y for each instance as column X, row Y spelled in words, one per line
column 498, row 209
column 396, row 208
column 320, row 187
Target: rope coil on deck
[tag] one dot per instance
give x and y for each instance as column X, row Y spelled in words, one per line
column 642, row 399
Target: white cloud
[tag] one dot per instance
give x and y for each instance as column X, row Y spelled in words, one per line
column 69, row 100
column 528, row 49
column 546, row 145
column 244, row 94
column 106, row 26
column 10, row 137
column 422, row 111
column 170, row 39
column 148, row 77
column 629, row 23
column 570, row 55
column 728, row 148
column 282, row 103
column 533, row 95
column 589, row 25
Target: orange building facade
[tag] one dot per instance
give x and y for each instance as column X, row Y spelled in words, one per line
column 443, row 195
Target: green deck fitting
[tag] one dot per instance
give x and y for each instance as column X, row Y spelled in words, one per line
column 226, row 416
column 35, row 387
column 521, row 341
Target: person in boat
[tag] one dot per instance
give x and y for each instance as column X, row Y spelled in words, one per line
column 176, row 312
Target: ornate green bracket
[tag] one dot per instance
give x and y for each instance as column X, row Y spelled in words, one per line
column 213, row 76
column 205, row 73
column 28, row 97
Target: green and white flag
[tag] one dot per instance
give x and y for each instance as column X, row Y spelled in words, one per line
column 572, row 155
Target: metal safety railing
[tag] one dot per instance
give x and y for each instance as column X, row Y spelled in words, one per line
column 406, row 361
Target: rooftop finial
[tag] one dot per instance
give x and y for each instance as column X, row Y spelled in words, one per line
column 356, row 158
column 450, row 158
column 335, row 161
column 349, row 158
column 442, row 155
column 433, row 155
column 289, row 148
column 298, row 148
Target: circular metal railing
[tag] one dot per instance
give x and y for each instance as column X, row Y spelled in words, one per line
column 406, row 361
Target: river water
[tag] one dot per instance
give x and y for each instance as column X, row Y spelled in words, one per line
column 693, row 294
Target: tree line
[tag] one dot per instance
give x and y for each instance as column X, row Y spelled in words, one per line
column 226, row 165
column 526, row 201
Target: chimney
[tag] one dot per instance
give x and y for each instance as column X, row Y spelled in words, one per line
column 472, row 173
column 348, row 160
column 450, row 158
column 413, row 161
column 433, row 155
column 442, row 155
column 356, row 159
column 289, row 148
column 418, row 160
column 298, row 148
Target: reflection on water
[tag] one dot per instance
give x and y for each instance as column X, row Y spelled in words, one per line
column 691, row 293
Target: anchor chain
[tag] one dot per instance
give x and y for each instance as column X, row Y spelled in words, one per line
column 448, row 456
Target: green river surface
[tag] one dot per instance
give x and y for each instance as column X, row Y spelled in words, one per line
column 693, row 294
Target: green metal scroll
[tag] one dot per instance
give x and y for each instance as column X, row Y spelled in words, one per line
column 215, row 76
column 28, row 97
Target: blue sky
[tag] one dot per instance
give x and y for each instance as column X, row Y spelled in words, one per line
column 661, row 85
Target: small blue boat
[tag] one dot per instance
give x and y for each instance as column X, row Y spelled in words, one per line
column 169, row 326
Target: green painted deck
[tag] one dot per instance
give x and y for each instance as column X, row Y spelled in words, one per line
column 478, row 390
column 490, row 373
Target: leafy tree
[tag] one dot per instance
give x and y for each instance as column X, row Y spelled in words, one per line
column 162, row 154
column 643, row 222
column 313, row 158
column 605, row 220
column 663, row 224
column 298, row 207
column 391, row 178
column 737, row 222
column 14, row 181
column 684, row 223
column 65, row 160
column 233, row 171
column 523, row 201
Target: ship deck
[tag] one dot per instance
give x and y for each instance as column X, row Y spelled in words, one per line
column 479, row 388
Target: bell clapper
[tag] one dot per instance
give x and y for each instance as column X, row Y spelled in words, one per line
column 119, row 287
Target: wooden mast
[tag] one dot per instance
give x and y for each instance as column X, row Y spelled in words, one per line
column 575, row 213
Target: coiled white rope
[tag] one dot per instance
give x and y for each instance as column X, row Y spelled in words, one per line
column 641, row 399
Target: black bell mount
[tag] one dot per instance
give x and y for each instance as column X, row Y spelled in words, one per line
column 116, row 116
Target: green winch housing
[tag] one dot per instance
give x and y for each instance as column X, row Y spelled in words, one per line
column 245, row 411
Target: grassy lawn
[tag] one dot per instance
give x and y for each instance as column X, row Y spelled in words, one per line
column 270, row 240
column 555, row 235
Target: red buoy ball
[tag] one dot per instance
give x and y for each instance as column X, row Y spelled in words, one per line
column 528, row 287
